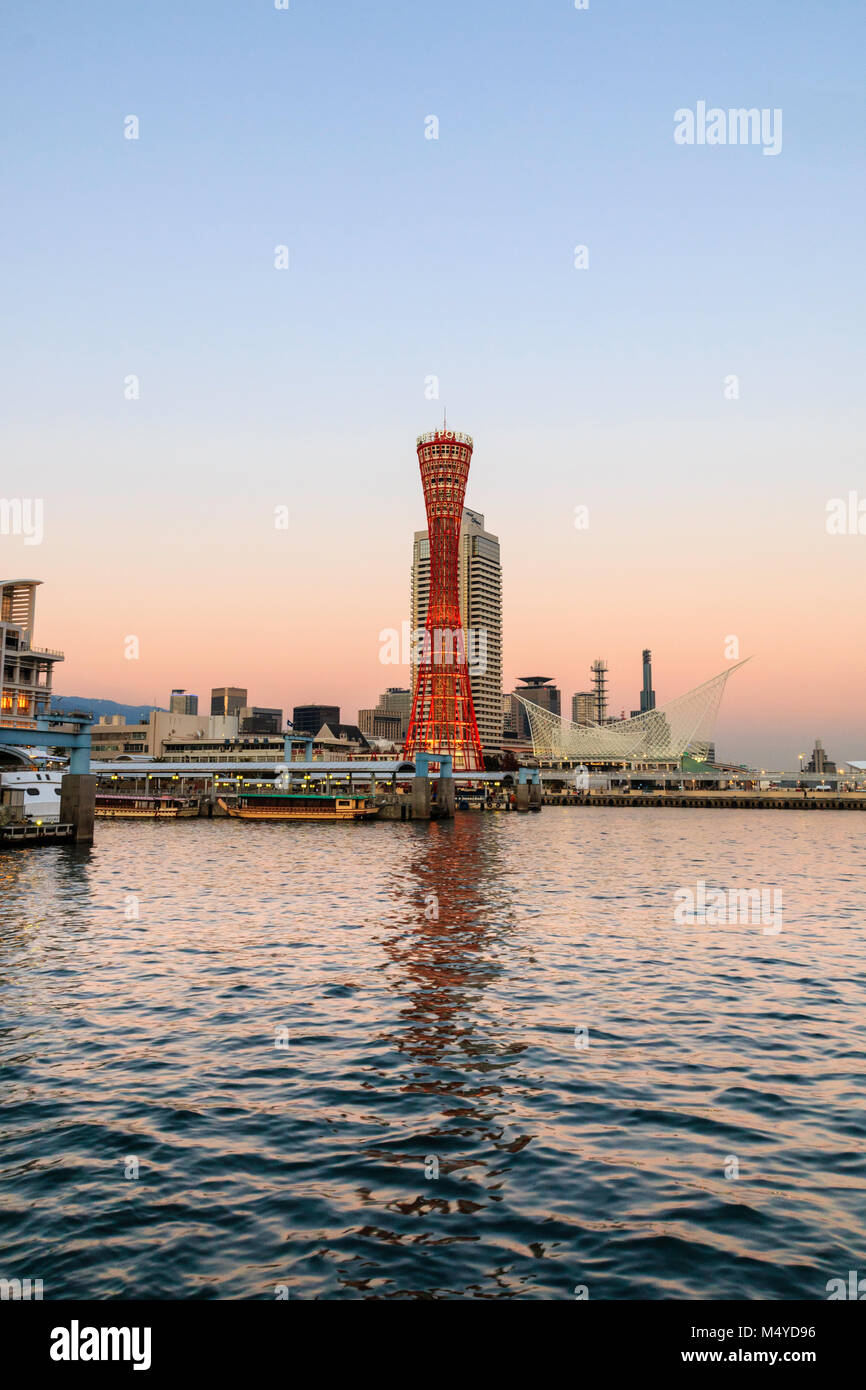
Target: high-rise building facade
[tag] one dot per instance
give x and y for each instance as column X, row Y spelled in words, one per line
column 227, row 699
column 182, row 702
column 390, row 718
column 379, row 723
column 583, row 707
column 309, row 719
column 397, row 700
column 539, row 690
column 479, row 587
column 25, row 671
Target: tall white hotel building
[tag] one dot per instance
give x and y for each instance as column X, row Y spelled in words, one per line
column 479, row 578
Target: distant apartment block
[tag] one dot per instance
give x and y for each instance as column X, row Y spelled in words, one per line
column 390, row 718
column 308, row 719
column 227, row 699
column 583, row 707
column 181, row 702
column 254, row 719
column 377, row 723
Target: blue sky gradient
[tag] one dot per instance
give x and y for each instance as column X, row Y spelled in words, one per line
column 453, row 257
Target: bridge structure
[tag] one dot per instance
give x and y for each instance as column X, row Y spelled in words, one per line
column 78, row 785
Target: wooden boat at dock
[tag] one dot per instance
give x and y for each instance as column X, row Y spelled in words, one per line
column 281, row 806
column 128, row 806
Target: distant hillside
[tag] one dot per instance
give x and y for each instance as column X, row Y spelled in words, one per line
column 134, row 714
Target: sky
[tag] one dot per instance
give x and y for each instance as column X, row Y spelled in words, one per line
column 693, row 378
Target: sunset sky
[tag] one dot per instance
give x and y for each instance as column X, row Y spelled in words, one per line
column 410, row 257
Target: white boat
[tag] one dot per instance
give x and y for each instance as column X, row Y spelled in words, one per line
column 41, row 789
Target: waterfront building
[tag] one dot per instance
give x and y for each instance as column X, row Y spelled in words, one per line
column 583, row 707
column 819, row 762
column 397, row 700
column 379, row 724
column 340, row 741
column 197, row 738
column 539, row 690
column 389, row 720
column 253, row 719
column 114, row 738
column 479, row 590
column 26, row 670
column 227, row 700
column 308, row 719
column 182, row 702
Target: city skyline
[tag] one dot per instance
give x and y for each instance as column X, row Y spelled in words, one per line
column 414, row 417
column 616, row 706
column 696, row 392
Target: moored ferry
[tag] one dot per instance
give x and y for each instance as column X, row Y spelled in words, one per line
column 278, row 805
column 128, row 806
column 34, row 791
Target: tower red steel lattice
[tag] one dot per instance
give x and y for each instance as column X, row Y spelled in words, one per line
column 443, row 714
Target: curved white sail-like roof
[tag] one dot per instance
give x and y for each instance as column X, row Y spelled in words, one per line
column 683, row 725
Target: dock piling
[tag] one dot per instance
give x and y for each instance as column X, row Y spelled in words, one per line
column 78, row 804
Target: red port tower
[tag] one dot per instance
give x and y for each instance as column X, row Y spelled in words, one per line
column 443, row 715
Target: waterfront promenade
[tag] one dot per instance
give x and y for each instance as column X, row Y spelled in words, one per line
column 732, row 800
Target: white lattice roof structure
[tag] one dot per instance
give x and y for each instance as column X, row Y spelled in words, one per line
column 684, row 725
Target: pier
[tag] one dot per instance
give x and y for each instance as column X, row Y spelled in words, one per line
column 427, row 788
column 705, row 800
column 78, row 785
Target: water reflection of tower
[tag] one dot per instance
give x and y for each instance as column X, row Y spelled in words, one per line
column 459, row 919
column 449, row 1090
column 443, row 713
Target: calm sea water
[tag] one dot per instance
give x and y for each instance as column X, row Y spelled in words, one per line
column 416, row 1041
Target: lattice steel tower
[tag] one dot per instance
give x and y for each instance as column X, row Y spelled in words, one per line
column 443, row 715
column 599, row 682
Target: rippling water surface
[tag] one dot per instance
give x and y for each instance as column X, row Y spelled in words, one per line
column 416, row 1040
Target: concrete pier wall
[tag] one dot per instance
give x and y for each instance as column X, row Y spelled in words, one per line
column 78, row 804
column 421, row 798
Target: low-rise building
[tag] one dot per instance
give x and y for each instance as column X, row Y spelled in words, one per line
column 340, row 741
